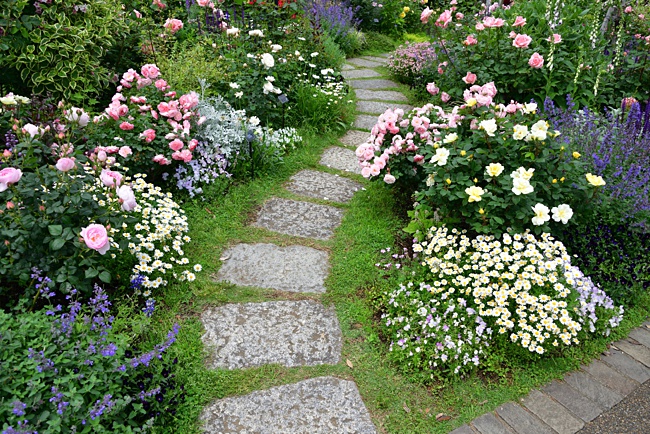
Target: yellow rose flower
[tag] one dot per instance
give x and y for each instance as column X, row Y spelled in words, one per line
column 471, row 102
column 402, row 15
column 596, row 181
column 562, row 179
column 481, row 211
column 448, row 181
column 554, row 181
column 407, row 9
column 463, row 153
column 474, row 193
column 576, row 154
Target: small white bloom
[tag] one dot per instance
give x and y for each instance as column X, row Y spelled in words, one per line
column 450, row 138
column 489, row 126
column 541, row 214
column 267, row 60
column 254, row 121
column 562, row 213
column 234, row 86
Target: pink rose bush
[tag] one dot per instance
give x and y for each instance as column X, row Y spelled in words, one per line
column 459, row 162
column 157, row 125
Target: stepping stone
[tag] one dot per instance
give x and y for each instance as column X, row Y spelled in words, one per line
column 381, row 60
column 578, row 404
column 592, row 389
column 347, row 68
column 627, row 365
column 341, row 159
column 365, row 63
column 489, row 424
column 291, row 268
column 379, row 83
column 360, row 73
column 291, row 333
column 637, row 352
column 465, row 429
column 323, row 405
column 321, row 185
column 365, row 122
column 552, row 413
column 522, row 421
column 354, row 138
column 302, row 219
column 380, row 95
column 611, row 378
column 376, row 107
column 641, row 335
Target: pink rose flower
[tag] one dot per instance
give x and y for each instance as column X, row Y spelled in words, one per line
column 522, row 41
column 176, row 145
column 512, row 34
column 193, row 144
column 143, row 82
column 432, row 89
column 628, row 10
column 418, row 159
column 536, row 61
column 389, row 179
column 557, row 38
column 365, row 172
column 110, row 178
column 519, row 22
column 479, row 26
column 130, row 75
column 8, row 176
column 160, row 159
column 148, row 135
column 445, row 97
column 161, row 85
column 493, row 22
column 65, row 164
column 469, row 78
column 137, row 13
column 126, row 126
column 444, row 19
column 189, row 100
column 96, row 238
column 158, row 3
column 459, row 16
column 150, row 71
column 125, row 151
column 203, row 3
column 425, row 15
column 489, row 89
column 470, row 40
column 127, row 197
column 185, row 155
column 173, row 25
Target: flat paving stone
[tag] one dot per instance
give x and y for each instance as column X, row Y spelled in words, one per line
column 637, row 352
column 611, row 378
column 641, row 335
column 302, row 219
column 354, row 138
column 627, row 365
column 365, row 122
column 522, row 421
column 377, row 59
column 324, row 405
column 347, row 67
column 365, row 63
column 341, row 159
column 552, row 413
column 321, row 185
column 380, row 95
column 372, row 84
column 592, row 389
column 360, row 73
column 489, row 424
column 291, row 333
column 377, row 107
column 465, row 429
column 573, row 400
column 291, row 268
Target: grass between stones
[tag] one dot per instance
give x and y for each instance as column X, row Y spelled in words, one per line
column 396, row 402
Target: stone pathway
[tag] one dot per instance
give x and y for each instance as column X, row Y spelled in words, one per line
column 600, row 398
column 295, row 333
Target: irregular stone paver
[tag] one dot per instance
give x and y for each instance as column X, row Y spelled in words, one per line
column 365, row 121
column 360, row 73
column 380, row 95
column 610, row 378
column 347, row 68
column 522, row 421
column 354, row 138
column 372, row 84
column 323, row 185
column 291, row 268
column 627, row 365
column 592, row 389
column 552, row 413
column 324, row 405
column 377, row 59
column 302, row 219
column 637, row 352
column 378, row 108
column 573, row 400
column 341, row 159
column 642, row 336
column 465, row 429
column 291, row 333
column 365, row 63
column 489, row 424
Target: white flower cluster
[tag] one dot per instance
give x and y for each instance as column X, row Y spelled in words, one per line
column 284, row 139
column 525, row 286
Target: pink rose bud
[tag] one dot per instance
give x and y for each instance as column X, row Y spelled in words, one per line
column 10, row 205
column 445, row 97
column 469, row 78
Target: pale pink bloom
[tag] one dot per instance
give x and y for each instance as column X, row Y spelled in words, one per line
column 493, row 22
column 96, row 238
column 158, row 3
column 143, row 82
column 512, row 107
column 389, row 179
column 628, row 10
column 374, row 170
column 171, row 94
column 160, row 159
column 138, row 99
column 469, row 78
column 176, row 145
column 418, row 159
column 125, row 151
column 110, row 178
column 203, row 3
column 444, row 19
column 130, row 75
column 519, row 22
column 137, row 13
column 111, row 149
column 124, row 83
column 556, row 38
column 483, row 100
column 473, row 125
column 459, row 16
column 101, row 155
column 173, row 25
column 512, row 34
column 489, row 89
column 365, row 172
column 148, row 135
column 641, row 17
column 161, row 85
column 522, row 41
column 425, row 15
column 184, row 155
column 432, row 89
column 126, row 126
column 536, row 61
column 470, row 40
column 445, row 97
column 189, row 100
column 479, row 26
column 127, row 198
column 193, row 144
column 154, row 114
column 32, row 130
column 79, row 116
column 8, row 176
column 150, row 71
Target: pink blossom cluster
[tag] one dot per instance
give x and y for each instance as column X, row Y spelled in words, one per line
column 410, row 59
column 482, row 95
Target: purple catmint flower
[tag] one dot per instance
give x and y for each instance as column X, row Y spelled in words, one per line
column 150, row 307
column 18, row 408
